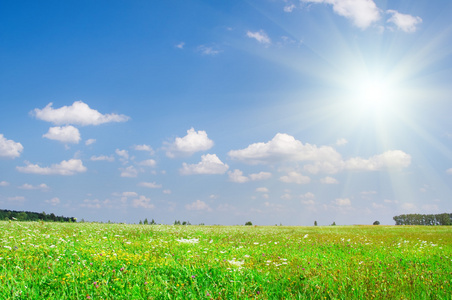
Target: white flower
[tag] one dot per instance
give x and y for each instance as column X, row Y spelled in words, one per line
column 188, row 241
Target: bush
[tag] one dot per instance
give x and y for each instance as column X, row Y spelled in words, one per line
column 376, row 223
column 248, row 223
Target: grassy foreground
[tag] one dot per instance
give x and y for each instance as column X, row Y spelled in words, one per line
column 114, row 261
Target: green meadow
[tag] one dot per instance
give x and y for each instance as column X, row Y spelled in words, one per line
column 41, row 260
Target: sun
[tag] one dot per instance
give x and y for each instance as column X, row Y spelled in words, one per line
column 371, row 95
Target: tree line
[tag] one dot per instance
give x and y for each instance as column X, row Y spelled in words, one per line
column 419, row 219
column 6, row 214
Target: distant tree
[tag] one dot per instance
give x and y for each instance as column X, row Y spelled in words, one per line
column 145, row 222
column 248, row 223
column 315, row 223
column 334, row 224
column 152, row 222
column 376, row 223
column 176, row 222
column 141, row 223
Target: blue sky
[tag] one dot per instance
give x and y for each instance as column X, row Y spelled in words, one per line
column 222, row 112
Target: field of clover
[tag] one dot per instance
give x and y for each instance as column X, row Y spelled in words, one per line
column 116, row 261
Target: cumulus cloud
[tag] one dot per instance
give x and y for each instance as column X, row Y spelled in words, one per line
column 403, row 22
column 259, row 36
column 144, row 148
column 54, row 201
column 295, row 177
column 4, row 183
column 148, row 163
column 66, row 167
column 237, row 176
column 9, row 148
column 122, row 153
column 90, row 142
column 394, row 159
column 284, row 147
column 130, row 172
column 143, row 202
column 329, row 180
column 342, row 202
column 209, row 164
column 64, row 134
column 260, row 176
column 262, row 190
column 198, row 205
column 78, row 113
column 449, row 171
column 341, row 142
column 151, row 185
column 27, row 186
column 361, row 12
column 102, row 157
column 193, row 142
column 180, row 45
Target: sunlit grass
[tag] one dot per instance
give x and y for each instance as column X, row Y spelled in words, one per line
column 116, row 261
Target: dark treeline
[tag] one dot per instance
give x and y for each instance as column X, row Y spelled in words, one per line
column 6, row 214
column 419, row 219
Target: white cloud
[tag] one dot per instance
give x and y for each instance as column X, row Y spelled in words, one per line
column 54, row 201
column 143, row 202
column 237, row 176
column 341, row 142
column 206, row 50
column 122, row 153
column 144, row 148
column 64, row 134
column 167, row 192
column 408, row 207
column 129, row 194
column 90, row 142
column 286, row 196
column 198, row 205
column 130, row 172
column 295, row 177
column 259, row 36
column 403, row 22
column 66, row 167
column 9, row 148
column 449, row 171
column 394, row 159
column 78, row 113
column 307, row 195
column 361, row 12
column 284, row 147
column 193, row 142
column 4, row 183
column 329, row 180
column 342, row 202
column 148, row 163
column 102, row 157
column 209, row 164
column 260, row 176
column 262, row 190
column 289, row 8
column 151, row 185
column 180, row 45
column 17, row 198
column 27, row 186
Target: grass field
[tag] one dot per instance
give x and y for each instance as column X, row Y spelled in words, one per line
column 115, row 261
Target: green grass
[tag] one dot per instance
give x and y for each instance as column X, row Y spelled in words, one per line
column 114, row 261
